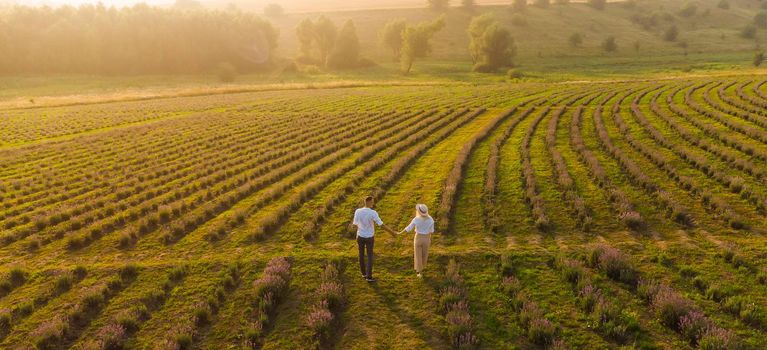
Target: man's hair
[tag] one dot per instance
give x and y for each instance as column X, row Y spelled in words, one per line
column 369, row 199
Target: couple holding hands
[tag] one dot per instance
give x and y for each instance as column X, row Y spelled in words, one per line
column 366, row 218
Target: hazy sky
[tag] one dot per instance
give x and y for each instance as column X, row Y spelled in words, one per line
column 105, row 2
column 289, row 5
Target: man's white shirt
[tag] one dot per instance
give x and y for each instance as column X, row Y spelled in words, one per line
column 364, row 219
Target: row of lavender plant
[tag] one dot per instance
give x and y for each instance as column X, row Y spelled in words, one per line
column 733, row 183
column 454, row 303
column 186, row 329
column 532, row 194
column 562, row 176
column 454, row 178
column 21, row 310
column 733, row 158
column 674, row 210
column 98, row 216
column 335, row 148
column 11, row 280
column 434, row 122
column 125, row 323
column 671, row 308
column 727, row 120
column 736, row 108
column 492, row 220
column 329, row 301
column 731, row 298
column 611, row 320
column 268, row 292
column 710, row 130
column 739, row 90
column 538, row 328
column 618, row 199
column 64, row 328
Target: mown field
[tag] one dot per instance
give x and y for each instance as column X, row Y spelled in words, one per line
column 594, row 215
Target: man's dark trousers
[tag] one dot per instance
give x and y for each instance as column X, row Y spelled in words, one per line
column 366, row 245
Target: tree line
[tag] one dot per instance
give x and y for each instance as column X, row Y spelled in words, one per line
column 95, row 39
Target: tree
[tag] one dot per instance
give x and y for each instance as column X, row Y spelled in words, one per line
column 562, row 2
column 597, row 4
column 346, row 51
column 96, row 39
column 468, row 5
column 748, row 32
column 496, row 48
column 576, row 39
column 519, row 5
column 415, row 41
column 688, row 9
column 542, row 3
column 325, row 32
column 305, row 34
column 610, row 44
column 476, row 30
column 439, row 5
column 671, row 33
column 391, row 36
column 274, row 10
column 758, row 59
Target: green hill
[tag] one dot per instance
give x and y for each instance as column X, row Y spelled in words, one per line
column 711, row 34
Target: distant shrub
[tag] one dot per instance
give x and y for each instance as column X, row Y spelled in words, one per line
column 575, row 39
column 519, row 5
column 760, row 19
column 671, row 34
column 542, row 3
column 597, row 4
column 610, row 44
column 689, row 9
column 438, row 5
column 515, row 74
column 646, row 21
column 226, row 72
column 723, row 4
column 758, row 59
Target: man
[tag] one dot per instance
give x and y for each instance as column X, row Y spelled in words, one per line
column 365, row 219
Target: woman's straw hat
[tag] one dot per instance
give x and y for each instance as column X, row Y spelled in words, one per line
column 422, row 209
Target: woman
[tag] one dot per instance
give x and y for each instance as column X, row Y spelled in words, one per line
column 424, row 227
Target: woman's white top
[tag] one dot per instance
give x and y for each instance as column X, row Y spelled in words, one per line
column 423, row 225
